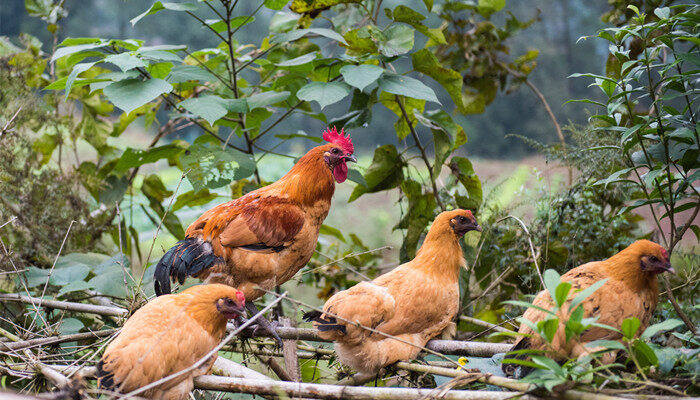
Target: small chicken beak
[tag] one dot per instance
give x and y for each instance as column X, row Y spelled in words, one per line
column 478, row 228
column 669, row 268
column 350, row 158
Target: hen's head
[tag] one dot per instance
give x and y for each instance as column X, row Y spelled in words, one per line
column 649, row 257
column 338, row 152
column 231, row 307
column 213, row 301
column 453, row 223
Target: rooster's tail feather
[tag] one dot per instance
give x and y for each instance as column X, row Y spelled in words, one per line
column 187, row 258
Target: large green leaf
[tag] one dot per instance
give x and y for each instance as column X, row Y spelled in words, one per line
column 132, row 158
column 425, row 61
column 664, row 326
column 325, row 93
column 396, row 40
column 131, row 94
column 210, row 108
column 629, row 327
column 184, row 73
column 161, row 5
column 409, row 16
column 209, row 166
column 406, row 86
column 266, row 98
column 488, row 7
column 294, row 35
column 417, row 217
column 125, row 61
column 386, row 172
column 361, row 76
column 65, row 51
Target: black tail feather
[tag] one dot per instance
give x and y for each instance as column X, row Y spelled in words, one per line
column 188, row 257
column 105, row 380
column 517, row 370
column 324, row 325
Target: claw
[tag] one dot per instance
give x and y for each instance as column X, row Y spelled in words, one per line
column 264, row 324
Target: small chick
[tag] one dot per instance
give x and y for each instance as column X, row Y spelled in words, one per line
column 169, row 334
column 415, row 302
column 632, row 290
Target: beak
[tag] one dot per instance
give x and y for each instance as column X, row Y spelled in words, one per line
column 669, row 268
column 350, row 158
column 478, row 228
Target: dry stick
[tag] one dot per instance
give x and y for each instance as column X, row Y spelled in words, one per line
column 215, row 350
column 323, row 391
column 26, row 344
column 422, row 152
column 289, row 349
column 11, row 121
column 65, row 305
column 453, row 347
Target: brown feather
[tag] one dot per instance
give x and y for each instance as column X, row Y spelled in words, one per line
column 414, row 302
column 167, row 335
column 629, row 292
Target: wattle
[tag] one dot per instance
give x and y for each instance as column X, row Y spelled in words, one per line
column 340, row 172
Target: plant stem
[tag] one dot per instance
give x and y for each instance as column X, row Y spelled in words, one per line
column 424, row 156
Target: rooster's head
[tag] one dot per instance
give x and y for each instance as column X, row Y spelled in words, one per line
column 338, row 152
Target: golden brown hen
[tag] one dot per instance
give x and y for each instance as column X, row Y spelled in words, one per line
column 260, row 240
column 167, row 335
column 631, row 291
column 414, row 302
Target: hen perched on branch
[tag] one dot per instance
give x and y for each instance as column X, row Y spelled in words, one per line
column 415, row 302
column 631, row 290
column 168, row 335
column 260, row 240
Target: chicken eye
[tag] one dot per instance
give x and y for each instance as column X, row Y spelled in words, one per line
column 462, row 219
column 653, row 259
column 229, row 302
column 336, row 151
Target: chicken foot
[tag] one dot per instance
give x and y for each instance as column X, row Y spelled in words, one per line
column 262, row 323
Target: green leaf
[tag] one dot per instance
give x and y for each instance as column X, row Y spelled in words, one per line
column 606, row 344
column 425, row 61
column 385, row 172
column 210, row 166
column 551, row 282
column 210, row 108
column 443, row 148
column 132, row 158
column 463, row 169
column 125, row 61
column 583, row 295
column 398, row 39
column 488, row 7
column 629, row 327
column 275, row 4
column 236, row 22
column 301, row 60
column 77, row 70
column 548, row 328
column 131, row 94
column 409, row 16
column 264, row 99
column 417, row 217
column 361, row 76
column 324, row 93
column 159, row 5
column 406, row 86
column 562, row 293
column 184, row 73
column 66, row 275
column 193, row 199
column 644, row 354
column 294, row 35
column 35, row 276
column 331, row 231
column 664, row 326
column 65, row 51
column 76, row 286
column 112, row 190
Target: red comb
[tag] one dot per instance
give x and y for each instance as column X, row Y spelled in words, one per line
column 240, row 297
column 332, row 136
column 664, row 253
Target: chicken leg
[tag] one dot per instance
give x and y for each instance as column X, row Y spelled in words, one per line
column 261, row 322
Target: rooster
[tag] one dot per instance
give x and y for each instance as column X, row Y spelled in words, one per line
column 166, row 336
column 414, row 302
column 260, row 240
column 631, row 290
